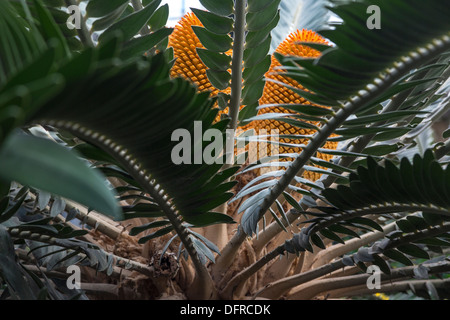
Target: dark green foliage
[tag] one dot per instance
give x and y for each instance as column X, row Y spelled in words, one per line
column 108, row 108
column 389, row 185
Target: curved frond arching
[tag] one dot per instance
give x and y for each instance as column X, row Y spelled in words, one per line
column 146, row 157
column 421, row 185
column 349, row 61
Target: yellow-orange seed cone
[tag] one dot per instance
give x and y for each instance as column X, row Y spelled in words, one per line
column 275, row 93
column 188, row 64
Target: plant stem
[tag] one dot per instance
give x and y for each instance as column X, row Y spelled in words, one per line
column 400, row 286
column 362, row 142
column 203, row 287
column 272, row 230
column 218, row 233
column 322, row 285
column 137, row 5
column 328, row 255
column 238, row 56
column 443, row 150
column 83, row 31
column 227, row 292
column 278, row 288
column 275, row 289
column 94, row 220
column 353, row 244
column 104, row 290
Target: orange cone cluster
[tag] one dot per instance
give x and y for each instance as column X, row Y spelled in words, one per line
column 189, row 66
column 276, row 93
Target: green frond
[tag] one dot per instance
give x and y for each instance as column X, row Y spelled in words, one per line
column 364, row 68
column 107, row 102
column 422, row 183
column 384, row 191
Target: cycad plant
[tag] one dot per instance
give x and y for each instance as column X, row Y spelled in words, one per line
column 98, row 97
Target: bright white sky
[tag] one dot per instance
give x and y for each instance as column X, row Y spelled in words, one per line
column 177, row 8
